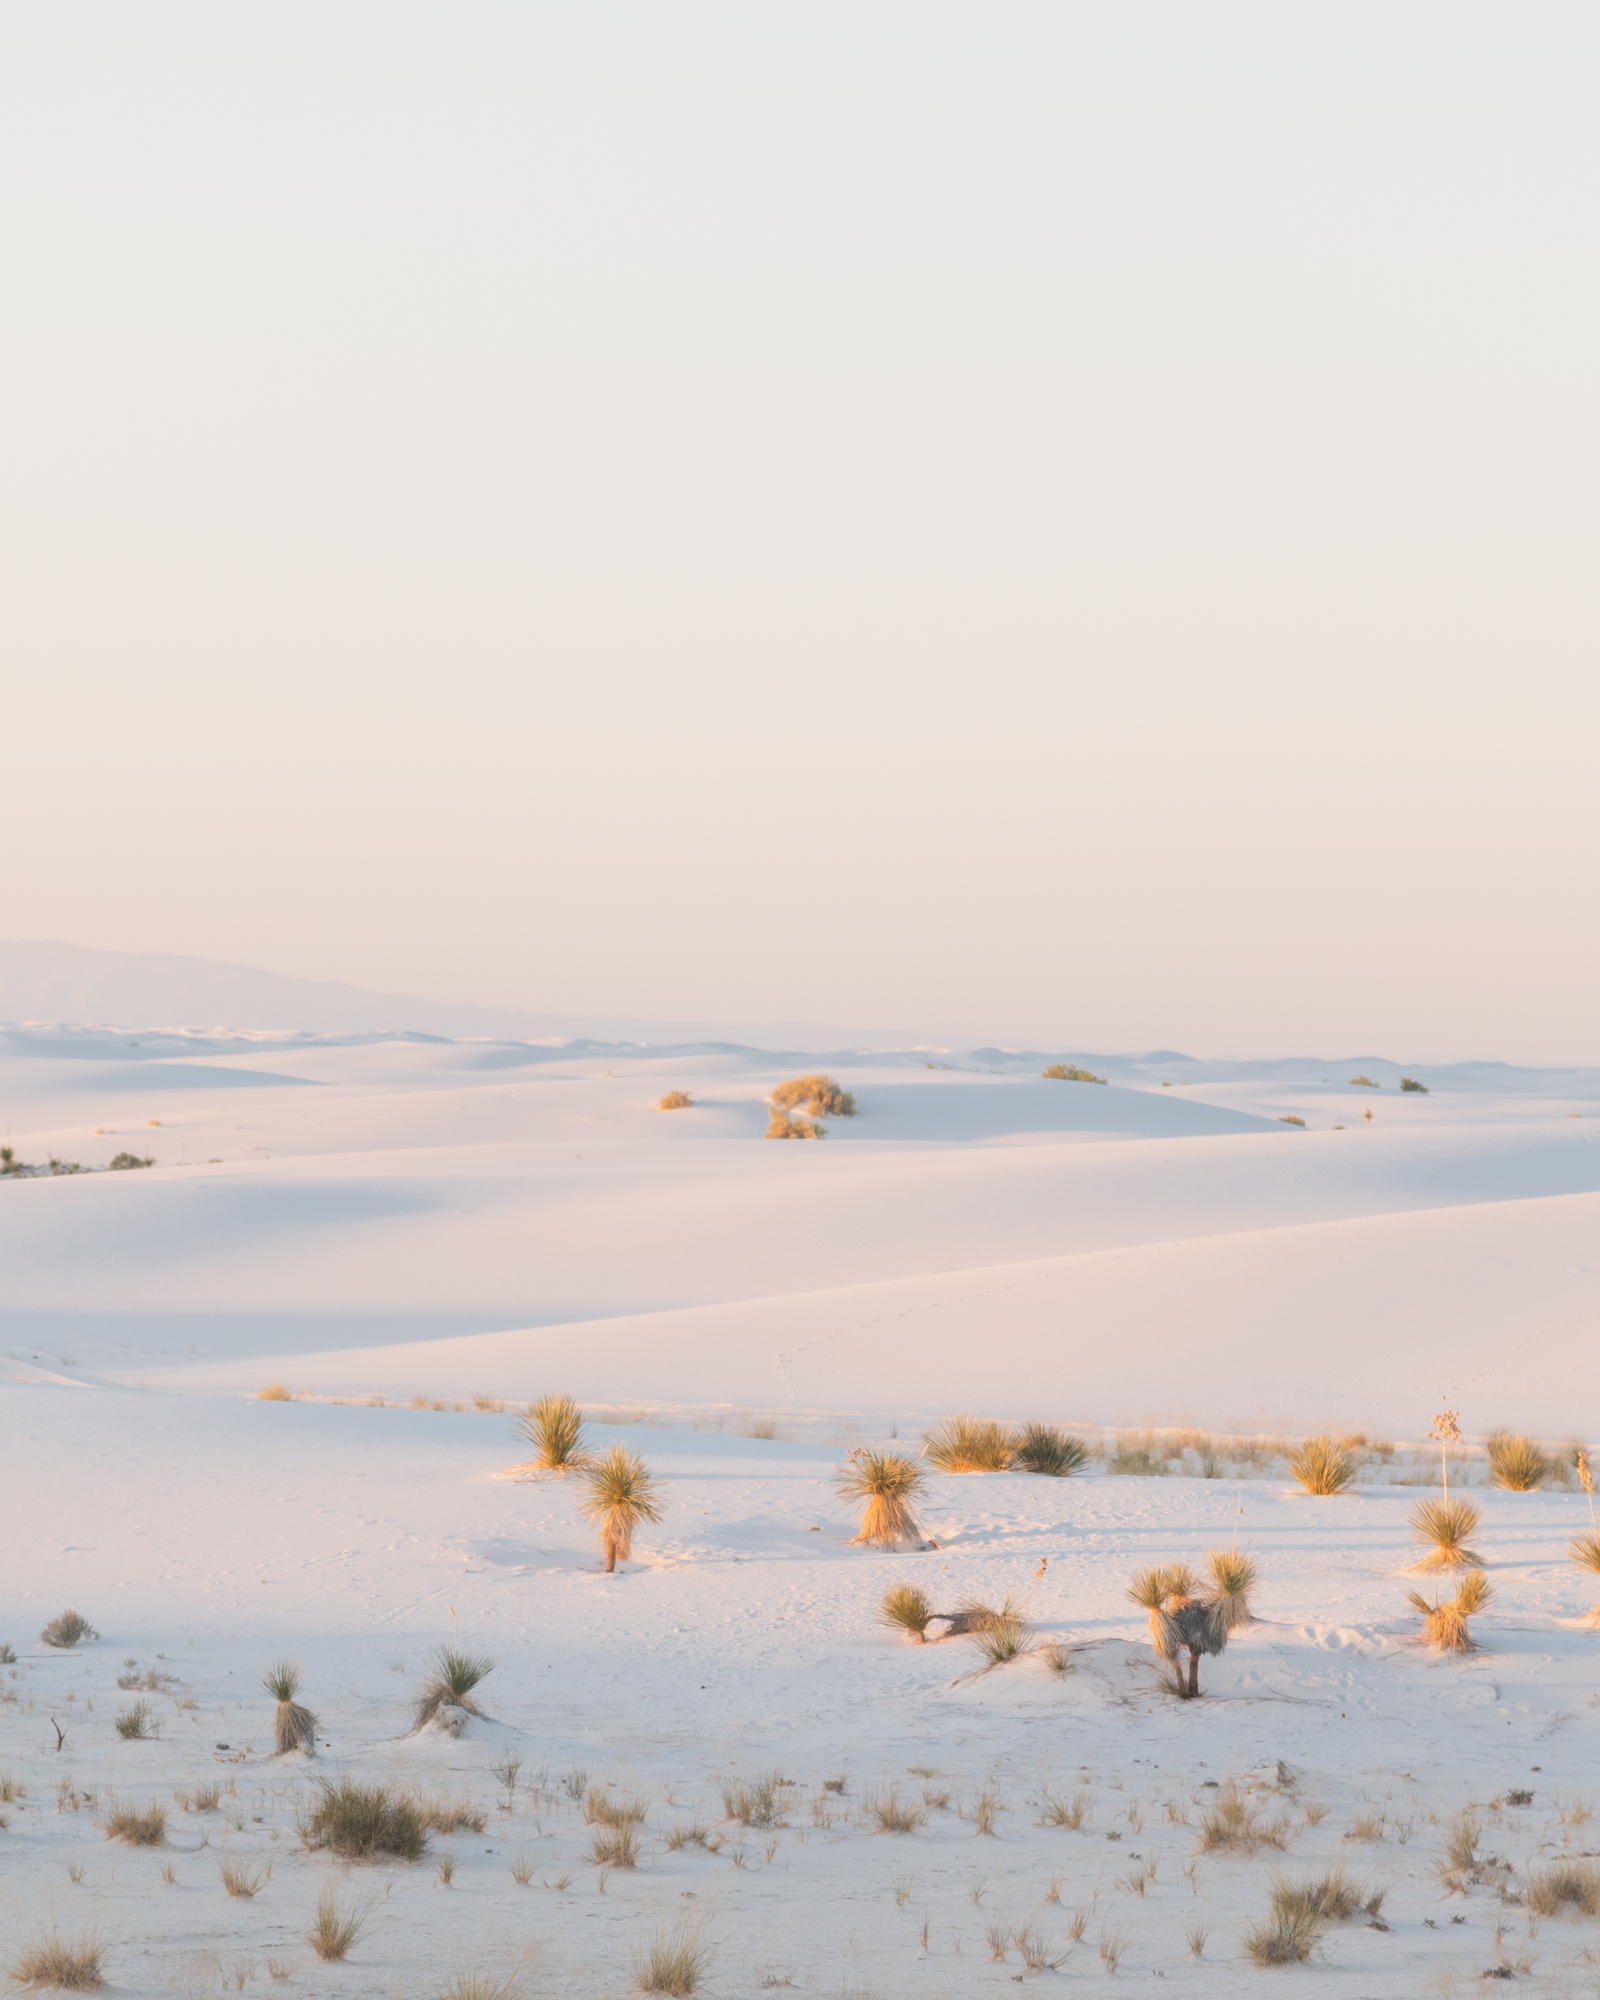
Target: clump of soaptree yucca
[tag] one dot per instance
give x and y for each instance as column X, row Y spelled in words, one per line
column 293, row 1727
column 889, row 1484
column 1187, row 1616
column 1323, row 1466
column 1515, row 1463
column 969, row 1444
column 1585, row 1549
column 554, row 1427
column 906, row 1607
column 621, row 1498
column 1444, row 1623
column 1044, row 1449
column 449, row 1693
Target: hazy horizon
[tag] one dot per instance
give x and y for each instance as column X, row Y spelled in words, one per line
column 1066, row 525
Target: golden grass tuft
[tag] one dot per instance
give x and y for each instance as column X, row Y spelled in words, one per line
column 1287, row 1937
column 293, row 1727
column 66, row 1630
column 458, row 1815
column 781, row 1125
column 1323, row 1467
column 601, row 1809
column 1444, row 1526
column 889, row 1483
column 675, row 1960
column 239, row 1879
column 1564, row 1882
column 69, row 1965
column 1060, row 1811
column 1053, row 1453
column 359, row 1822
column 147, row 1828
column 138, row 1723
column 1516, row 1463
column 615, row 1846
column 969, row 1444
column 1233, row 1578
column 676, row 1100
column 334, row 1932
column 554, row 1427
column 1584, row 1550
column 819, row 1095
column 1063, row 1072
column 1444, row 1625
column 274, row 1392
column 887, row 1812
column 622, row 1496
column 482, row 1986
column 1232, row 1824
column 906, row 1606
column 1003, row 1635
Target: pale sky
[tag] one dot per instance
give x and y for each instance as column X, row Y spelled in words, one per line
column 1063, row 522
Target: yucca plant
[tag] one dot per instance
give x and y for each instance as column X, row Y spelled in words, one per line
column 1445, row 1624
column 1043, row 1449
column 889, row 1483
column 1515, row 1463
column 621, row 1497
column 455, row 1675
column 1585, row 1549
column 554, row 1427
column 1233, row 1578
column 1183, row 1620
column 1444, row 1526
column 294, row 1727
column 1323, row 1467
column 1002, row 1635
column 969, row 1444
column 906, row 1606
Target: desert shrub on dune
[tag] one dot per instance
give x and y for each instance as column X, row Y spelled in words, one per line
column 357, row 1822
column 1584, row 1550
column 1183, row 1618
column 274, row 1392
column 1044, row 1449
column 676, row 1100
column 906, row 1607
column 1323, row 1467
column 450, row 1685
column 781, row 1125
column 1444, row 1625
column 334, row 1932
column 819, row 1096
column 554, row 1427
column 1515, row 1463
column 1004, row 1636
column 969, row 1444
column 889, row 1483
column 293, row 1727
column 1410, row 1085
column 138, row 1723
column 67, row 1629
column 621, row 1498
column 66, row 1965
column 1062, row 1072
column 1443, row 1526
column 146, row 1827
column 1286, row 1937
column 1564, row 1882
column 675, row 1960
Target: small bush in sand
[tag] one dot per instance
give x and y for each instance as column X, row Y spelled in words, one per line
column 889, row 1483
column 1289, row 1118
column 1444, row 1625
column 889, row 1813
column 969, row 1444
column 621, row 1498
column 454, row 1676
column 601, row 1809
column 760, row 1803
column 123, row 1162
column 676, row 1100
column 1182, row 1619
column 1285, row 1938
column 69, row 1965
column 1323, row 1467
column 1328, row 1898
column 66, row 1630
column 334, row 1932
column 615, row 1847
column 8, row 1655
column 1410, row 1084
column 239, row 1879
column 452, row 1815
column 274, row 1392
column 675, row 1960
column 1233, row 1578
column 1364, row 1083
column 1070, row 1073
column 1055, row 1454
column 482, row 1986
column 293, row 1727
column 819, row 1096
column 1005, row 1636
column 138, row 1724
column 1515, row 1463
column 1059, row 1811
column 358, row 1822
column 782, row 1126
column 906, row 1606
column 1443, row 1526
column 1585, row 1552
column 554, row 1427
column 1564, row 1882
column 1233, row 1824
column 140, row 1829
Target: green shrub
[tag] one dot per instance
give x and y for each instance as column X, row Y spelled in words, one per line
column 358, row 1822
column 1411, row 1083
column 122, row 1162
column 1044, row 1449
column 1070, row 1073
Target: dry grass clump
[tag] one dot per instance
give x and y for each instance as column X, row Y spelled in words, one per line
column 68, row 1965
column 1002, row 1635
column 906, row 1606
column 138, row 1723
column 67, row 1629
column 888, row 1482
column 1515, row 1463
column 274, row 1392
column 1444, row 1625
column 1328, row 1898
column 334, row 1932
column 1232, row 1824
column 819, row 1096
column 781, row 1125
column 239, row 1879
column 601, row 1809
column 621, row 1497
column 762, row 1802
column 676, row 1100
column 1575, row 1882
column 1059, row 1811
column 293, row 1727
column 1062, row 1072
column 1323, row 1466
column 615, row 1846
column 1044, row 1449
column 1443, row 1526
column 358, row 1822
column 969, row 1444
column 452, row 1815
column 889, row 1813
column 675, row 1960
column 554, row 1427
column 1584, row 1550
column 482, row 1986
column 448, row 1691
column 140, row 1829
column 1287, row 1937
column 1185, row 1618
